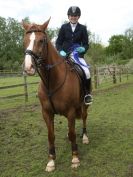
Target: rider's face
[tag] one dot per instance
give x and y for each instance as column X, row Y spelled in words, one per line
column 73, row 19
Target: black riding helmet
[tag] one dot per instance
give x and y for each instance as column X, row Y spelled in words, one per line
column 74, row 11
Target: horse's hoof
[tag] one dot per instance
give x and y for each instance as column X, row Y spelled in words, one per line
column 50, row 166
column 75, row 162
column 85, row 139
column 75, row 165
column 50, row 169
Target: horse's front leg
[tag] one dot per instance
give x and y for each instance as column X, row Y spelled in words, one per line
column 85, row 138
column 72, row 138
column 49, row 119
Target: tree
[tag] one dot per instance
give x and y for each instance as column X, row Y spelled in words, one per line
column 121, row 46
column 128, row 44
column 11, row 48
column 115, row 45
column 96, row 51
column 2, row 40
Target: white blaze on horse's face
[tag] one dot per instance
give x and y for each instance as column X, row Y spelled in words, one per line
column 28, row 59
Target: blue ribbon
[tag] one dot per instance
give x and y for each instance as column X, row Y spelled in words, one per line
column 76, row 56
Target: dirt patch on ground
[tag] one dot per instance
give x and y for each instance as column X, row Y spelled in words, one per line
column 5, row 113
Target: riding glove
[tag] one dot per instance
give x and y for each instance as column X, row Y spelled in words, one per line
column 62, row 53
column 80, row 49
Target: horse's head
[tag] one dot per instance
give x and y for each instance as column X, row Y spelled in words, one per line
column 35, row 40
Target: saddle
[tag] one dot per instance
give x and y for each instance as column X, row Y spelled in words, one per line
column 80, row 72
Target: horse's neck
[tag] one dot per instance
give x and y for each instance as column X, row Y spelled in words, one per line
column 54, row 58
column 56, row 62
column 53, row 55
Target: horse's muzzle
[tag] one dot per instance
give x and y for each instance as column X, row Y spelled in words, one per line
column 29, row 70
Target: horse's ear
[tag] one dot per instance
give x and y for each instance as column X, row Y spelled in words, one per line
column 25, row 25
column 45, row 25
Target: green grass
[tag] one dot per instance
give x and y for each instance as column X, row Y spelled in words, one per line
column 108, row 82
column 17, row 80
column 110, row 127
column 17, row 101
column 32, row 90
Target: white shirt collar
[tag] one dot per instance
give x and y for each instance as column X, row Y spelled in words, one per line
column 73, row 26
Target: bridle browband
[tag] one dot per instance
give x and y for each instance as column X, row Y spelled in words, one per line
column 31, row 31
column 39, row 62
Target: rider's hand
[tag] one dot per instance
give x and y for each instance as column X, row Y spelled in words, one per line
column 63, row 53
column 80, row 49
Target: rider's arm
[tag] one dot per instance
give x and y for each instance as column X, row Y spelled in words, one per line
column 85, row 41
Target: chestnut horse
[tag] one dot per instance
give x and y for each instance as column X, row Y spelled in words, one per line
column 59, row 90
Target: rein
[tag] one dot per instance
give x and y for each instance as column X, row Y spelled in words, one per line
column 39, row 62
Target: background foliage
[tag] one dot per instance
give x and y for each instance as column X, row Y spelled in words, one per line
column 119, row 50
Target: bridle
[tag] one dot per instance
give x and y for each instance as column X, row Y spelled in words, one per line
column 39, row 62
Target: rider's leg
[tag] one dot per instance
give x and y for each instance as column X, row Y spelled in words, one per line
column 88, row 97
column 88, row 86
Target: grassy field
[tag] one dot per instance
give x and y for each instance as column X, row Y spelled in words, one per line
column 18, row 101
column 110, row 127
column 32, row 90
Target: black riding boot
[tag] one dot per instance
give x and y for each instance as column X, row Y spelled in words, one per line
column 88, row 97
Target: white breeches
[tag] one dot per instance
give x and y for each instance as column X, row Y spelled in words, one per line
column 86, row 69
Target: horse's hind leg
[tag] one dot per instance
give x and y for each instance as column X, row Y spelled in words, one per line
column 49, row 119
column 72, row 138
column 85, row 138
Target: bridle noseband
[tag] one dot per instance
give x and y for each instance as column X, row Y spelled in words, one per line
column 38, row 60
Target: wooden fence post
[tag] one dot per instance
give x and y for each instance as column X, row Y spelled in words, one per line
column 114, row 74
column 120, row 73
column 127, row 72
column 95, row 77
column 25, row 87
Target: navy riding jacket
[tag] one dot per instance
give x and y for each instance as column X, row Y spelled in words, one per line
column 67, row 38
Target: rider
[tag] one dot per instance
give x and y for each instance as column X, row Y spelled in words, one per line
column 75, row 34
